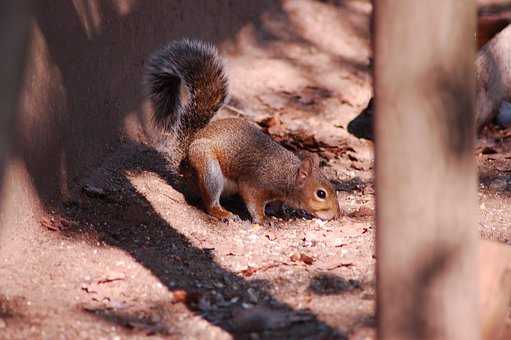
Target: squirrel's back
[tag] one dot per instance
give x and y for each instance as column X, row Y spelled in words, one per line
column 186, row 83
column 244, row 149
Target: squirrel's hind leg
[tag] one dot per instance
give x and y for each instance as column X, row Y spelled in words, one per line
column 255, row 201
column 209, row 176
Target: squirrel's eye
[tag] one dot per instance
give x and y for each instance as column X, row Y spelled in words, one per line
column 321, row 194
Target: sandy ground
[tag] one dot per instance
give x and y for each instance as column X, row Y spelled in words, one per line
column 129, row 257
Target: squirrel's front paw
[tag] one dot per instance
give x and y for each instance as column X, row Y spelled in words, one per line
column 262, row 221
column 231, row 218
column 223, row 215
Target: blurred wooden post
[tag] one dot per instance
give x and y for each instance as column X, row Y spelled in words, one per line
column 14, row 33
column 427, row 235
column 495, row 294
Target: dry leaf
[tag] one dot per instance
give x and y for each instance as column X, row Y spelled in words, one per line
column 306, row 259
column 48, row 224
column 249, row 271
column 302, row 257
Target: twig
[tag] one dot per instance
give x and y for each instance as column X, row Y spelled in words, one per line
column 235, row 110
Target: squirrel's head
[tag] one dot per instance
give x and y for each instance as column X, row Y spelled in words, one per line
column 315, row 193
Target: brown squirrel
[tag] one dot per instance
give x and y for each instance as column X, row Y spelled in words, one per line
column 186, row 83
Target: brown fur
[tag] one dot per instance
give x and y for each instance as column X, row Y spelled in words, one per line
column 187, row 85
column 261, row 170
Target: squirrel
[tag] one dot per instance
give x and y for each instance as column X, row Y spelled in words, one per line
column 187, row 85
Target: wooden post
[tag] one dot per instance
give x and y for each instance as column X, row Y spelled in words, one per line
column 14, row 33
column 495, row 293
column 427, row 236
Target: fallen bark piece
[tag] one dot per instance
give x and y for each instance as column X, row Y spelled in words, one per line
column 493, row 76
column 302, row 139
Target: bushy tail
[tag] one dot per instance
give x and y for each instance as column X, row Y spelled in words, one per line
column 186, row 83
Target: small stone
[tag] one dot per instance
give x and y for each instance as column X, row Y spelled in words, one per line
column 252, row 296
column 294, row 257
column 320, row 222
column 499, row 184
column 204, row 304
column 94, row 192
column 504, row 115
column 117, row 304
column 179, row 296
column 309, row 243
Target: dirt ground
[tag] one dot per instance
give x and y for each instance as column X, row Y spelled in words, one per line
column 128, row 257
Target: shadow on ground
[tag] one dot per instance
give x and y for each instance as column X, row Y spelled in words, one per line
column 99, row 60
column 124, row 218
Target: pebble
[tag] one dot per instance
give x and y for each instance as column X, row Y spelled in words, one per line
column 252, row 296
column 504, row 115
column 499, row 184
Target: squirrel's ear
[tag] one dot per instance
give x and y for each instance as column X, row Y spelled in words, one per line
column 307, row 154
column 305, row 169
